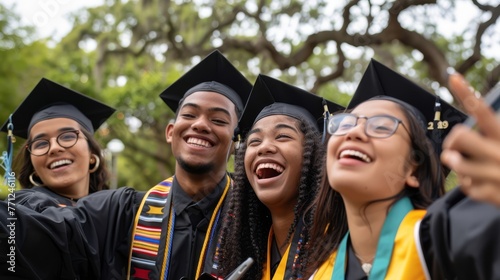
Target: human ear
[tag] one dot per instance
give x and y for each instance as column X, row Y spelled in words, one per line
column 412, row 181
column 169, row 132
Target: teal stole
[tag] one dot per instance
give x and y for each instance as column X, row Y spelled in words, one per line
column 385, row 243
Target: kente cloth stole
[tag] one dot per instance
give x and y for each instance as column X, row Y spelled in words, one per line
column 154, row 231
column 151, row 226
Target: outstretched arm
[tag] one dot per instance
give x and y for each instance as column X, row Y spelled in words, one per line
column 89, row 241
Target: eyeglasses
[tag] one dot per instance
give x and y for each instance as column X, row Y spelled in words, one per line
column 41, row 147
column 381, row 126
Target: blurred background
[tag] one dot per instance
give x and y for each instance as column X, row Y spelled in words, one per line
column 125, row 53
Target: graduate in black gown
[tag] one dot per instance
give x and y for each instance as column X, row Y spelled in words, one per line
column 208, row 101
column 61, row 161
column 460, row 233
column 278, row 169
column 120, row 234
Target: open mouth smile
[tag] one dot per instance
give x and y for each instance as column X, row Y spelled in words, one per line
column 353, row 154
column 199, row 142
column 60, row 163
column 268, row 170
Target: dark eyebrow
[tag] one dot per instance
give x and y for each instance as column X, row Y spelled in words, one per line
column 278, row 126
column 255, row 130
column 282, row 125
column 222, row 110
column 213, row 109
column 196, row 106
column 60, row 130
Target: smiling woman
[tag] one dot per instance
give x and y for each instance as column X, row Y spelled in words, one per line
column 60, row 158
column 383, row 171
column 277, row 172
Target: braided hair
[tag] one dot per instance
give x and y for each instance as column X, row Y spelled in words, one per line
column 247, row 221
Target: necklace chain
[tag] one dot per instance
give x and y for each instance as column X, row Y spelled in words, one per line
column 366, row 266
column 363, row 261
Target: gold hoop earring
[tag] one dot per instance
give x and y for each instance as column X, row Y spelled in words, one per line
column 32, row 181
column 96, row 165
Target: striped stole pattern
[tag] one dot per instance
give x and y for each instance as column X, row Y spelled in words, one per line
column 148, row 242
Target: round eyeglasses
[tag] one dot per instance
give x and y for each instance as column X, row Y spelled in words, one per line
column 381, row 126
column 40, row 147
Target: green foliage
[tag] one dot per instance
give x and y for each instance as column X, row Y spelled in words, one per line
column 21, row 65
column 147, row 157
column 451, row 181
column 126, row 53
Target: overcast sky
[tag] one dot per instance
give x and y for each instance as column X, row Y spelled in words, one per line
column 50, row 17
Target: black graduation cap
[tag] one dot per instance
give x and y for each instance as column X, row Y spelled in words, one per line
column 50, row 100
column 214, row 73
column 437, row 116
column 270, row 96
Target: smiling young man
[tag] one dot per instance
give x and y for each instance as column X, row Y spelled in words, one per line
column 162, row 234
column 201, row 139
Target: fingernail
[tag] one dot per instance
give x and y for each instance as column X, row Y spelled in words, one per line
column 450, row 157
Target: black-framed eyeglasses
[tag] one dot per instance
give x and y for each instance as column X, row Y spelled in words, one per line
column 381, row 126
column 40, row 147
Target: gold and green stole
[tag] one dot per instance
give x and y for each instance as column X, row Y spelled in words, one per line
column 397, row 255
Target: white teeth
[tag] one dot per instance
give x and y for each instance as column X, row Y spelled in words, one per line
column 356, row 154
column 274, row 166
column 199, row 142
column 59, row 163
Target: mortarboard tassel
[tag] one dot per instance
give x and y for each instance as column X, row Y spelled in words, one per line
column 326, row 117
column 436, row 134
column 6, row 159
column 437, row 109
column 237, row 138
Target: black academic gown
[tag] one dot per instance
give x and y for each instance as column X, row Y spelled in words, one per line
column 38, row 198
column 191, row 224
column 460, row 238
column 92, row 240
column 89, row 241
column 353, row 270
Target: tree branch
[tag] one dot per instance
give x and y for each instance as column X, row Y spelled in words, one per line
column 476, row 55
column 334, row 75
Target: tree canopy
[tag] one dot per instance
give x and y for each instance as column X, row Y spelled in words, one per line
column 126, row 52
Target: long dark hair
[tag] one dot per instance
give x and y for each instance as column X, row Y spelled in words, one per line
column 247, row 221
column 330, row 220
column 98, row 179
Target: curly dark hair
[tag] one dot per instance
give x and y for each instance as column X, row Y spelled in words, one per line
column 247, row 221
column 330, row 220
column 98, row 179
